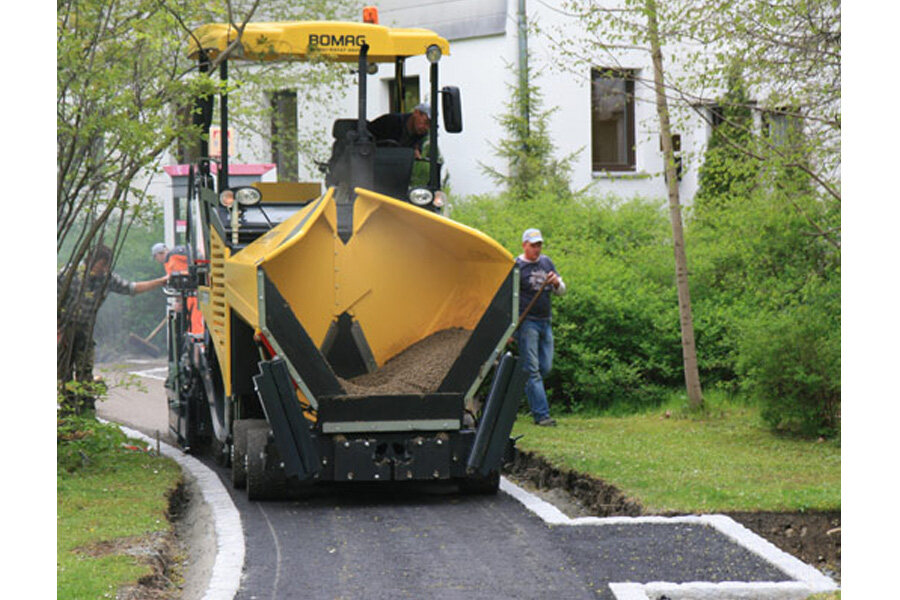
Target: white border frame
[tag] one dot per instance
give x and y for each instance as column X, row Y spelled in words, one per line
column 808, row 580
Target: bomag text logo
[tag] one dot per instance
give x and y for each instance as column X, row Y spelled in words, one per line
column 328, row 41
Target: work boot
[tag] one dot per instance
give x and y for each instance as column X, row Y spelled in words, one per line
column 546, row 422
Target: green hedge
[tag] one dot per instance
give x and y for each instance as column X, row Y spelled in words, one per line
column 765, row 295
column 766, row 289
column 616, row 330
column 790, row 361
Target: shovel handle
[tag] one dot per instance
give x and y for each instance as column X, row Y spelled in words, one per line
column 155, row 331
column 529, row 307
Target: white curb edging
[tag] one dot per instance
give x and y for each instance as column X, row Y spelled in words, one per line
column 229, row 564
column 158, row 373
column 809, row 580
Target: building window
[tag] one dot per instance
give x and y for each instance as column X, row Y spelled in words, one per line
column 284, row 134
column 716, row 115
column 612, row 120
column 783, row 127
column 410, row 93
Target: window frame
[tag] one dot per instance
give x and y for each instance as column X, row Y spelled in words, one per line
column 408, row 81
column 629, row 164
column 284, row 151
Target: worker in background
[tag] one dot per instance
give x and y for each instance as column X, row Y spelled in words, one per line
column 538, row 280
column 86, row 293
column 175, row 261
column 408, row 130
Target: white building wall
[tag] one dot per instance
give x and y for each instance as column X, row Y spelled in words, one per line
column 484, row 68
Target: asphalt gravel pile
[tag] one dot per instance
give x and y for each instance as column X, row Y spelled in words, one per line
column 419, row 369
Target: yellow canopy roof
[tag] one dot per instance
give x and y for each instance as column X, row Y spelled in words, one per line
column 301, row 40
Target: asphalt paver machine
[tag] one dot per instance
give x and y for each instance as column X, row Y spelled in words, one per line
column 310, row 299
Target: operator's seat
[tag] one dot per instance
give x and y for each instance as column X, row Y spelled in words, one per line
column 340, row 128
column 393, row 170
column 393, row 164
column 338, row 169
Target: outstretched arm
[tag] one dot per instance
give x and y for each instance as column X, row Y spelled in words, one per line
column 151, row 284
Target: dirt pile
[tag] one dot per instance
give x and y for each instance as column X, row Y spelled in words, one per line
column 419, row 369
column 813, row 537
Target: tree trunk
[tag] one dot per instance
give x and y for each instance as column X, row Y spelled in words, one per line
column 689, row 349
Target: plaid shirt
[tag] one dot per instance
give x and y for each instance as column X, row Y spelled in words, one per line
column 81, row 309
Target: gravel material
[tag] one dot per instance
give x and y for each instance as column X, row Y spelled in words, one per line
column 419, row 369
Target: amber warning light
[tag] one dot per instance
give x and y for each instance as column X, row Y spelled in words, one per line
column 370, row 15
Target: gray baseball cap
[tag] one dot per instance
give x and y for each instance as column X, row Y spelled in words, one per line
column 532, row 236
column 157, row 248
column 424, row 108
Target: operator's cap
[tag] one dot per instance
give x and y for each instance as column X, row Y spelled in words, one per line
column 424, row 108
column 532, row 236
column 157, row 248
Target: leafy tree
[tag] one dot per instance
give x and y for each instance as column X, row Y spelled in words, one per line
column 685, row 313
column 116, row 82
column 528, row 149
column 635, row 27
column 789, row 55
column 122, row 85
column 773, row 287
column 727, row 172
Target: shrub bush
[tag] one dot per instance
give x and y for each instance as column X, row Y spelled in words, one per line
column 81, row 440
column 790, row 362
column 616, row 330
column 766, row 292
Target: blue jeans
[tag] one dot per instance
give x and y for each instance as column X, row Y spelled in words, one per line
column 535, row 340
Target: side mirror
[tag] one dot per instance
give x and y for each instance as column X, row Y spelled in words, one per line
column 451, row 103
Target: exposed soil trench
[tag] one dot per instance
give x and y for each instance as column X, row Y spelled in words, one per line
column 813, row 537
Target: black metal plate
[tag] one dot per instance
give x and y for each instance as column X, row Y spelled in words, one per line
column 296, row 344
column 390, row 408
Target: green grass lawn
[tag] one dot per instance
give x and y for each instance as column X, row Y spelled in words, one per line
column 724, row 462
column 120, row 495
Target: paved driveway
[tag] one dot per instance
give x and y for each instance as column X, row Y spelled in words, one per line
column 428, row 541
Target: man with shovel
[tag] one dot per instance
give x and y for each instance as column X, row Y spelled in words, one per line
column 538, row 279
